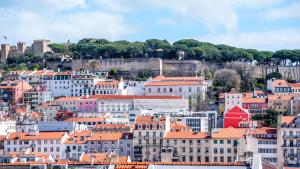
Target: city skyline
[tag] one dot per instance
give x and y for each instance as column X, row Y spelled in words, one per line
column 247, row 24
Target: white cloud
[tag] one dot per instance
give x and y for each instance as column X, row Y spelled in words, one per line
column 291, row 11
column 268, row 40
column 27, row 24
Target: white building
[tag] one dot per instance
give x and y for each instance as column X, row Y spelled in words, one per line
column 49, row 143
column 232, row 99
column 136, row 88
column 198, row 121
column 191, row 88
column 110, row 87
column 36, row 96
column 264, row 142
column 7, row 126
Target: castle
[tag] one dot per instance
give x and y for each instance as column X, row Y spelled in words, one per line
column 38, row 47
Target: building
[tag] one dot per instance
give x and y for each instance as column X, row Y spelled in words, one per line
column 264, row 142
column 111, row 143
column 7, row 126
column 288, row 134
column 295, row 87
column 232, row 99
column 190, row 88
column 36, row 97
column 49, row 143
column 255, row 105
column 185, row 146
column 74, row 146
column 285, row 103
column 198, row 121
column 148, row 137
column 39, row 47
column 235, row 116
column 110, row 87
column 13, row 91
column 227, row 144
column 278, row 86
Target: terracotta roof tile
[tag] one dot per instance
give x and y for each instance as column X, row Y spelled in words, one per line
column 38, row 136
column 229, row 133
column 186, row 135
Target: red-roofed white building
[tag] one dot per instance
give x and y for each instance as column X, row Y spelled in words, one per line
column 190, row 88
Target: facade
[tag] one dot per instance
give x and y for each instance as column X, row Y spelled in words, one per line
column 285, row 103
column 190, row 88
column 36, row 142
column 264, row 142
column 288, row 134
column 232, row 99
column 278, row 86
column 255, row 105
column 7, row 126
column 110, row 87
column 185, row 146
column 235, row 116
column 13, row 91
column 148, row 137
column 37, row 96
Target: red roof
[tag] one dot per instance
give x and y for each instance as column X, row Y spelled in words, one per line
column 234, row 116
column 172, row 83
column 131, row 97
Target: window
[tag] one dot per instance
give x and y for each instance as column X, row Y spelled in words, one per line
column 158, row 90
column 215, row 150
column 228, row 141
column 191, row 158
column 215, row 141
column 190, row 89
column 199, row 158
column 221, row 159
column 215, row 159
column 191, row 150
column 228, row 150
column 183, row 149
column 229, row 159
column 180, row 89
column 221, row 141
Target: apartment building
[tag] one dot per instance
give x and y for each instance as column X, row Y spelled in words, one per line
column 110, row 87
column 111, row 143
column 59, row 83
column 190, row 88
column 74, row 146
column 264, row 142
column 13, row 91
column 227, row 144
column 83, row 84
column 278, row 86
column 37, row 96
column 185, row 146
column 285, row 103
column 49, row 143
column 288, row 140
column 148, row 137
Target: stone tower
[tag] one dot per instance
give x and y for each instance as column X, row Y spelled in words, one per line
column 5, row 48
column 21, row 47
column 39, row 47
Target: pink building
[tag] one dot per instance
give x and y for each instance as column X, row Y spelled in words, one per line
column 13, row 91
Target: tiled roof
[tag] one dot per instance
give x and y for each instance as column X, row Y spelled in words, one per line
column 254, row 100
column 38, row 136
column 189, row 78
column 85, row 119
column 229, row 133
column 106, row 136
column 179, row 126
column 68, row 98
column 97, row 157
column 113, row 82
column 112, row 126
column 186, row 135
column 149, row 120
column 108, row 97
column 288, row 119
column 295, row 85
column 78, row 137
column 280, row 83
column 264, row 130
column 172, row 83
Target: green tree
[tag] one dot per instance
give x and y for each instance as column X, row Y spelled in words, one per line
column 275, row 75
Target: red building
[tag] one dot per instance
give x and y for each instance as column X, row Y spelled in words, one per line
column 235, row 116
column 255, row 105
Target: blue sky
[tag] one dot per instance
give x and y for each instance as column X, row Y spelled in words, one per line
column 260, row 24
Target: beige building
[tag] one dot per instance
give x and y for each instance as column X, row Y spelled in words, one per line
column 148, row 137
column 223, row 145
column 288, row 139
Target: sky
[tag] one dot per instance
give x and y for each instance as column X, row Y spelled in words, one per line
column 259, row 24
